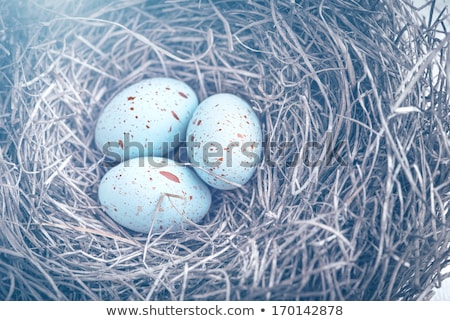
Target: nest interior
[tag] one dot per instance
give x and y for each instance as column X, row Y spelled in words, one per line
column 350, row 201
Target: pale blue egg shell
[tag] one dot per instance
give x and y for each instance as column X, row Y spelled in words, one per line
column 144, row 119
column 224, row 140
column 130, row 193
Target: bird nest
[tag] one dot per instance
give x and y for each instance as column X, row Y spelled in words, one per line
column 350, row 201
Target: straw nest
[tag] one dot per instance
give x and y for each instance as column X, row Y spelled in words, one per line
column 350, row 201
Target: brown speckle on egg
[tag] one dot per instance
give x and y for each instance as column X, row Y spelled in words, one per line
column 170, row 176
column 174, row 114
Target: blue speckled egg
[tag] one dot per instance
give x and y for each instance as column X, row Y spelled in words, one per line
column 224, row 140
column 146, row 118
column 153, row 194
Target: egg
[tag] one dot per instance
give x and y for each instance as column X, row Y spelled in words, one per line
column 224, row 141
column 147, row 118
column 153, row 194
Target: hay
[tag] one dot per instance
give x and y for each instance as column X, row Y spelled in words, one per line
column 366, row 79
